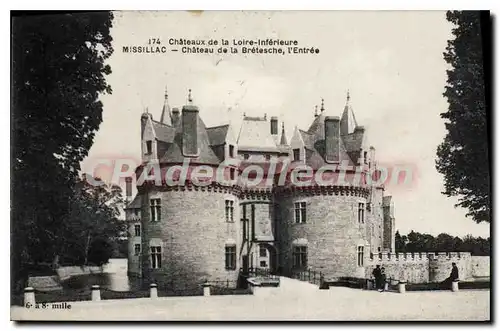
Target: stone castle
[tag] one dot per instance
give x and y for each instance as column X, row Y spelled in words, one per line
column 182, row 235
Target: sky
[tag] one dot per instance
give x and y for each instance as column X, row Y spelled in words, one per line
column 390, row 61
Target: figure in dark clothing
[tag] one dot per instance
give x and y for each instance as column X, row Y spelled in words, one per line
column 454, row 272
column 376, row 274
column 453, row 276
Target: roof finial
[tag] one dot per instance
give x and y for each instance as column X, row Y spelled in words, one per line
column 147, row 110
column 244, row 114
column 265, row 116
column 348, row 96
column 283, row 136
column 166, row 93
column 316, row 111
column 190, row 98
column 322, row 104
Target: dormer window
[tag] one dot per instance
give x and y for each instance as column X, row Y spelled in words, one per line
column 149, row 147
column 296, row 154
column 231, row 151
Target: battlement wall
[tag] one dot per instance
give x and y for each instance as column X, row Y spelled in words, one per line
column 396, row 257
column 422, row 267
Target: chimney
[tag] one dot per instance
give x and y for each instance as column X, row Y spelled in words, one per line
column 274, row 125
column 128, row 188
column 144, row 119
column 332, row 139
column 372, row 157
column 175, row 117
column 190, row 131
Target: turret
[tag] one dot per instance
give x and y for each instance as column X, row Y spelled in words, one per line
column 348, row 121
column 166, row 109
column 190, row 129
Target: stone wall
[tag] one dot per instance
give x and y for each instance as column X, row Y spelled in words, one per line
column 193, row 234
column 70, row 271
column 332, row 233
column 133, row 265
column 422, row 267
column 375, row 218
column 480, row 266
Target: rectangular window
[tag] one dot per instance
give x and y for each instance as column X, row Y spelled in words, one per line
column 262, row 251
column 155, row 210
column 268, row 157
column 361, row 212
column 231, row 173
column 360, row 256
column 137, row 230
column 231, row 151
column 246, row 156
column 263, row 264
column 231, row 257
column 300, row 212
column 156, row 257
column 300, row 257
column 365, row 157
column 137, row 212
column 229, row 211
column 137, row 249
column 296, row 154
column 149, row 147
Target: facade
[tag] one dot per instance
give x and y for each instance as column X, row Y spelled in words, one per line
column 181, row 235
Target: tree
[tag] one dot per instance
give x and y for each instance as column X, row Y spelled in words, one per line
column 422, row 242
column 399, row 242
column 93, row 225
column 463, row 155
column 58, row 74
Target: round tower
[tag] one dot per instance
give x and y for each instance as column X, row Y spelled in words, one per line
column 326, row 224
column 192, row 226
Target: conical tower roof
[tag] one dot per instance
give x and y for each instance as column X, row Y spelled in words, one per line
column 348, row 120
column 166, row 110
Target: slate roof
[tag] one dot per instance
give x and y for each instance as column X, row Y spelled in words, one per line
column 217, row 134
column 314, row 141
column 317, row 127
column 164, row 132
column 255, row 134
column 174, row 151
column 348, row 121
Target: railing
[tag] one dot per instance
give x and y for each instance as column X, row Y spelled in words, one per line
column 258, row 272
column 311, row 276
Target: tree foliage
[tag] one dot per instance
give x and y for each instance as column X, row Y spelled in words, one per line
column 416, row 242
column 93, row 224
column 463, row 155
column 58, row 74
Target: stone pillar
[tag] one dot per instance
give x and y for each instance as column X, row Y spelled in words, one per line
column 29, row 297
column 206, row 289
column 402, row 287
column 153, row 291
column 96, row 293
column 454, row 286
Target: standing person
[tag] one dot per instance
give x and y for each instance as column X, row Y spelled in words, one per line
column 383, row 279
column 454, row 272
column 376, row 274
